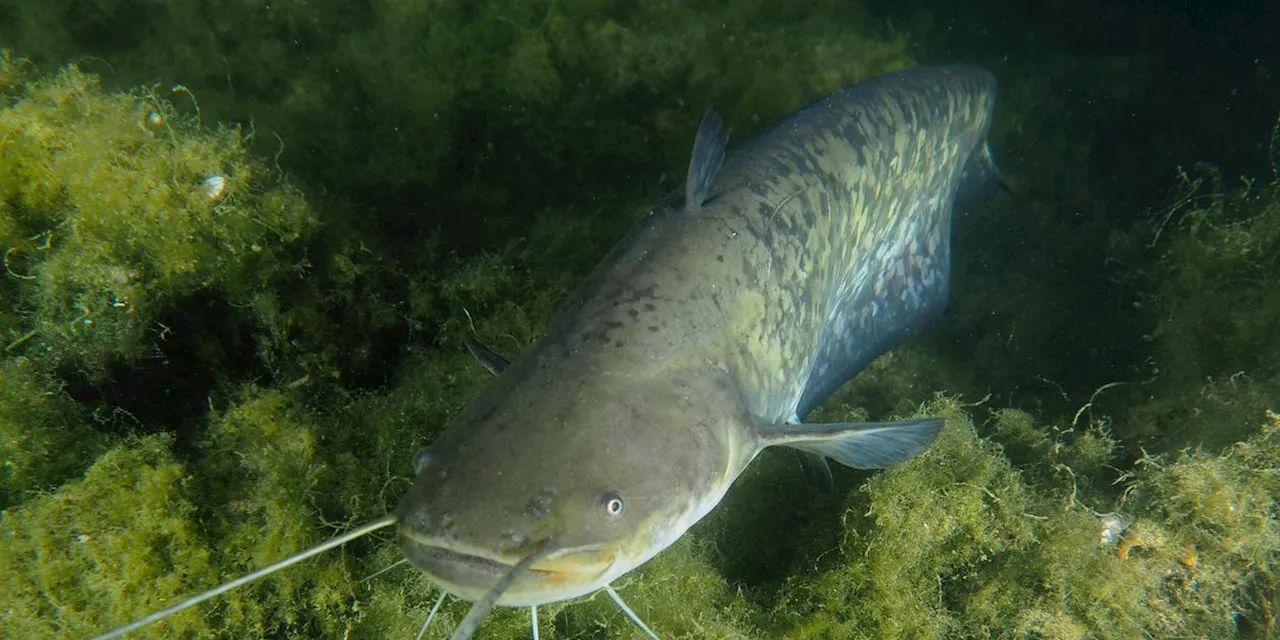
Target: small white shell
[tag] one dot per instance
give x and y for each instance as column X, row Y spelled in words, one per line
column 1113, row 527
column 153, row 121
column 213, row 187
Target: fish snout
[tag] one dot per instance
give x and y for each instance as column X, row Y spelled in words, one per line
column 421, row 521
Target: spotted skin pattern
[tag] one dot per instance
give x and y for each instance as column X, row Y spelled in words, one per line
column 820, row 243
column 825, row 242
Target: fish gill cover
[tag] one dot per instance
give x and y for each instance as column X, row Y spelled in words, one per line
column 238, row 238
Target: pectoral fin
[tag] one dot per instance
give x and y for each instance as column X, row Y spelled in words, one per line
column 487, row 358
column 491, row 361
column 861, row 445
column 817, row 470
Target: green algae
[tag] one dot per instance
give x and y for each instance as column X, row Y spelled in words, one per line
column 45, row 437
column 116, row 208
column 118, row 544
column 960, row 543
column 389, row 100
column 144, row 527
column 1213, row 292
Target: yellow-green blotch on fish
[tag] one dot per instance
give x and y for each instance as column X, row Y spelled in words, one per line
column 729, row 312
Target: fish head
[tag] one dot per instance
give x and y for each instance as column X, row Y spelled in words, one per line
column 594, row 478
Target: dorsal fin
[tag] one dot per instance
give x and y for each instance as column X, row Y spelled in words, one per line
column 704, row 162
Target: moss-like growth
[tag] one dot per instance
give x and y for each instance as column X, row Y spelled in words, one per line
column 121, row 208
column 431, row 113
column 142, row 529
column 1213, row 291
column 957, row 542
column 291, row 472
column 1218, row 528
column 119, row 544
column 914, row 537
column 45, row 437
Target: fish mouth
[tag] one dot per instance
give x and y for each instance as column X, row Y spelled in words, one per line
column 436, row 554
column 468, row 572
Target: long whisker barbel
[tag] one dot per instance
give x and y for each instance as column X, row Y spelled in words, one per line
column 394, row 565
column 337, row 541
column 431, row 616
column 627, row 610
column 481, row 608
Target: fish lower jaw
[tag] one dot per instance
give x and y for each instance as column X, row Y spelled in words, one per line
column 469, row 576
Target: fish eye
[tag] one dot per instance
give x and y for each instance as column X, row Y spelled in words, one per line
column 421, row 459
column 613, row 504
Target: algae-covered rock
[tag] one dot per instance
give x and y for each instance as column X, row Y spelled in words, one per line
column 1221, row 516
column 116, row 208
column 144, row 528
column 912, row 537
column 1213, row 292
column 957, row 542
column 45, row 437
column 461, row 114
column 120, row 543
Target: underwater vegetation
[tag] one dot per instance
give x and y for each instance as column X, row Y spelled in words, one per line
column 202, row 376
column 1213, row 292
column 465, row 113
column 115, row 210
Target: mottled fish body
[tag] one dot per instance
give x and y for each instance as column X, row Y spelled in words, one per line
column 706, row 335
column 730, row 311
column 823, row 242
